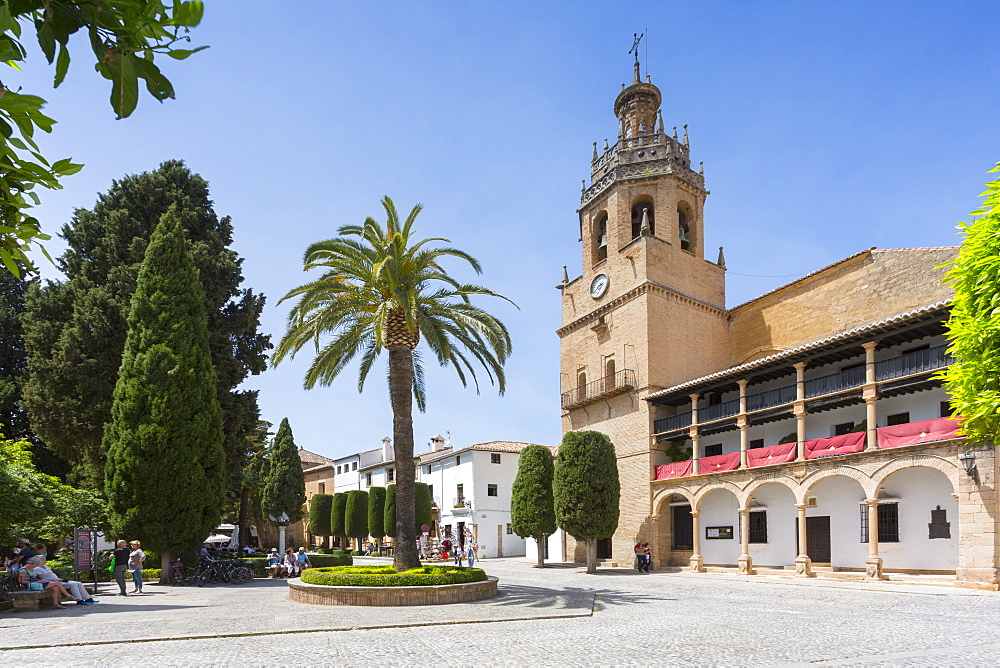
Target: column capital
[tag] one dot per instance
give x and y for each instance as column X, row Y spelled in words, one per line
column 695, row 513
column 743, row 383
column 801, row 506
column 799, row 366
column 872, row 502
column 744, row 511
column 694, row 397
column 742, row 426
column 870, row 345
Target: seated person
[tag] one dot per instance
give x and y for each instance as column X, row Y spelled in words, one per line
column 303, row 558
column 75, row 589
column 274, row 563
column 27, row 577
column 292, row 563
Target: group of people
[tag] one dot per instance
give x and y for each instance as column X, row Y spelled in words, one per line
column 643, row 557
column 129, row 559
column 292, row 564
column 33, row 574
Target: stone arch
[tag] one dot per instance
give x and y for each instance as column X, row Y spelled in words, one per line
column 788, row 482
column 599, row 232
column 856, row 474
column 686, row 227
column 661, row 500
column 949, row 468
column 638, row 204
column 707, row 489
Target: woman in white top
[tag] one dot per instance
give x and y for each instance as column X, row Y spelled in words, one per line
column 135, row 559
column 292, row 563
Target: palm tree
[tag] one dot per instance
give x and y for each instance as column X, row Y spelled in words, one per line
column 383, row 290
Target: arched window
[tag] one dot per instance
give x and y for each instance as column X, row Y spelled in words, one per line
column 581, row 380
column 609, row 374
column 601, row 237
column 637, row 211
column 685, row 231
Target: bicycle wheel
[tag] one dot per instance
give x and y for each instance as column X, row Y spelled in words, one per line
column 246, row 574
column 203, row 578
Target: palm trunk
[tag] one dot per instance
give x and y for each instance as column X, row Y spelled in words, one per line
column 541, row 551
column 591, row 555
column 401, row 396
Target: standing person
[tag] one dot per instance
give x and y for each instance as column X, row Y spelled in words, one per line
column 121, row 555
column 471, row 553
column 647, row 557
column 640, row 556
column 135, row 559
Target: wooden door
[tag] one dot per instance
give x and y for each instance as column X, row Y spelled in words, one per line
column 818, row 539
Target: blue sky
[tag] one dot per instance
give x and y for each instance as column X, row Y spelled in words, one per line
column 824, row 128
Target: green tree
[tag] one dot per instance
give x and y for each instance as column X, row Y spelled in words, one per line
column 166, row 469
column 320, row 506
column 338, row 518
column 74, row 330
column 356, row 516
column 389, row 516
column 285, row 487
column 248, row 481
column 376, row 513
column 586, row 489
column 973, row 381
column 381, row 289
column 125, row 36
column 532, row 507
column 423, row 512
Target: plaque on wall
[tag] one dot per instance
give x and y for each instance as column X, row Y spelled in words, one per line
column 939, row 526
column 716, row 533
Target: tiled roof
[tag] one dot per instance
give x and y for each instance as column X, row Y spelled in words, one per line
column 791, row 352
column 312, row 457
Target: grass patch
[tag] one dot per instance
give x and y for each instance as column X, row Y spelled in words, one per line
column 387, row 576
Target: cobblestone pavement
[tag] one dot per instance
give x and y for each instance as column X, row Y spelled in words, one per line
column 616, row 617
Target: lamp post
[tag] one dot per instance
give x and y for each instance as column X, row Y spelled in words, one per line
column 968, row 461
column 282, row 522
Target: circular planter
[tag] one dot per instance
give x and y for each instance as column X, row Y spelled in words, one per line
column 391, row 596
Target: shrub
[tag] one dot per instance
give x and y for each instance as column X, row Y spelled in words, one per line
column 150, row 574
column 387, row 576
column 325, row 560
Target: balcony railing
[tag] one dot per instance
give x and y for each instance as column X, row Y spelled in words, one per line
column 671, row 423
column 613, row 384
column 719, row 411
column 835, row 382
column 775, row 397
column 458, row 505
column 919, row 361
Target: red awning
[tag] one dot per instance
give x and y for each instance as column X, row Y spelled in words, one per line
column 912, row 433
column 835, row 445
column 772, row 454
column 716, row 463
column 673, row 470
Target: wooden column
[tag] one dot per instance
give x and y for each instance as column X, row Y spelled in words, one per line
column 870, row 394
column 695, row 438
column 800, row 410
column 873, row 564
column 745, row 562
column 741, row 422
column 697, row 564
column 802, row 562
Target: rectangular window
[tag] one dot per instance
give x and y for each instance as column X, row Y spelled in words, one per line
column 390, row 475
column 494, row 457
column 510, row 531
column 758, row 526
column 338, row 469
column 460, row 493
column 714, row 398
column 354, row 466
column 427, row 469
column 898, row 418
column 322, row 488
column 430, row 489
column 368, row 479
column 491, row 490
column 711, row 450
column 755, row 443
column 945, row 409
column 683, row 534
column 888, row 523
column 843, row 428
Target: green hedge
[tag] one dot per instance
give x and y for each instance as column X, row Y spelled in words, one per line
column 387, row 576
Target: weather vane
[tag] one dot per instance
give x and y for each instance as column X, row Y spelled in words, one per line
column 636, row 38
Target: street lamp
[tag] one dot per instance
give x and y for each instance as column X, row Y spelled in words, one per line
column 282, row 522
column 968, row 460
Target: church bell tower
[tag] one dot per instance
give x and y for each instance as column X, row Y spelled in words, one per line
column 647, row 311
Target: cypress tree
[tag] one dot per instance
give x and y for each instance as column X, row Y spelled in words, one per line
column 285, row 486
column 422, row 510
column 319, row 516
column 74, row 330
column 586, row 489
column 356, row 515
column 389, row 518
column 338, row 512
column 376, row 513
column 165, row 477
column 532, row 507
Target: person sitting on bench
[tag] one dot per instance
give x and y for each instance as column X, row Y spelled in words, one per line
column 72, row 588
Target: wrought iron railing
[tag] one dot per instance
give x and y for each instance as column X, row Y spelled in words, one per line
column 719, row 411
column 622, row 380
column 671, row 423
column 919, row 361
column 835, row 382
column 769, row 398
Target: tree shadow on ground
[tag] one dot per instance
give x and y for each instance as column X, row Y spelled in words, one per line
column 573, row 599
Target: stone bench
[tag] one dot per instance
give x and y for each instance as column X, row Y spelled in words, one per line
column 27, row 600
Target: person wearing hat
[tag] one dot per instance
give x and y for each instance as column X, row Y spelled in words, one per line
column 303, row 558
column 274, row 563
column 21, row 554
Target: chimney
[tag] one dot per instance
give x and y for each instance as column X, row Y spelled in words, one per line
column 388, row 454
column 437, row 443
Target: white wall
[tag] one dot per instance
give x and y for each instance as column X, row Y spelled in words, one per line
column 920, row 405
column 840, row 498
column 921, row 490
column 555, row 543
column 720, row 508
column 780, row 548
column 772, row 432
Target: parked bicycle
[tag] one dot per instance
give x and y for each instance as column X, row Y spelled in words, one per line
column 216, row 571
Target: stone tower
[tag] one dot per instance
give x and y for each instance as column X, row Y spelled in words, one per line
column 648, row 310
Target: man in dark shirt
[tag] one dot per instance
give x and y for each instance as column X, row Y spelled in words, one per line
column 121, row 555
column 21, row 555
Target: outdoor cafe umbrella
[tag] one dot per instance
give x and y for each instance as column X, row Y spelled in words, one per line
column 217, row 538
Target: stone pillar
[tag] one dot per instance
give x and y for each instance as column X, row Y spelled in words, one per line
column 978, row 536
column 873, row 564
column 870, row 394
column 695, row 438
column 745, row 562
column 697, row 564
column 800, row 410
column 741, row 422
column 802, row 562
